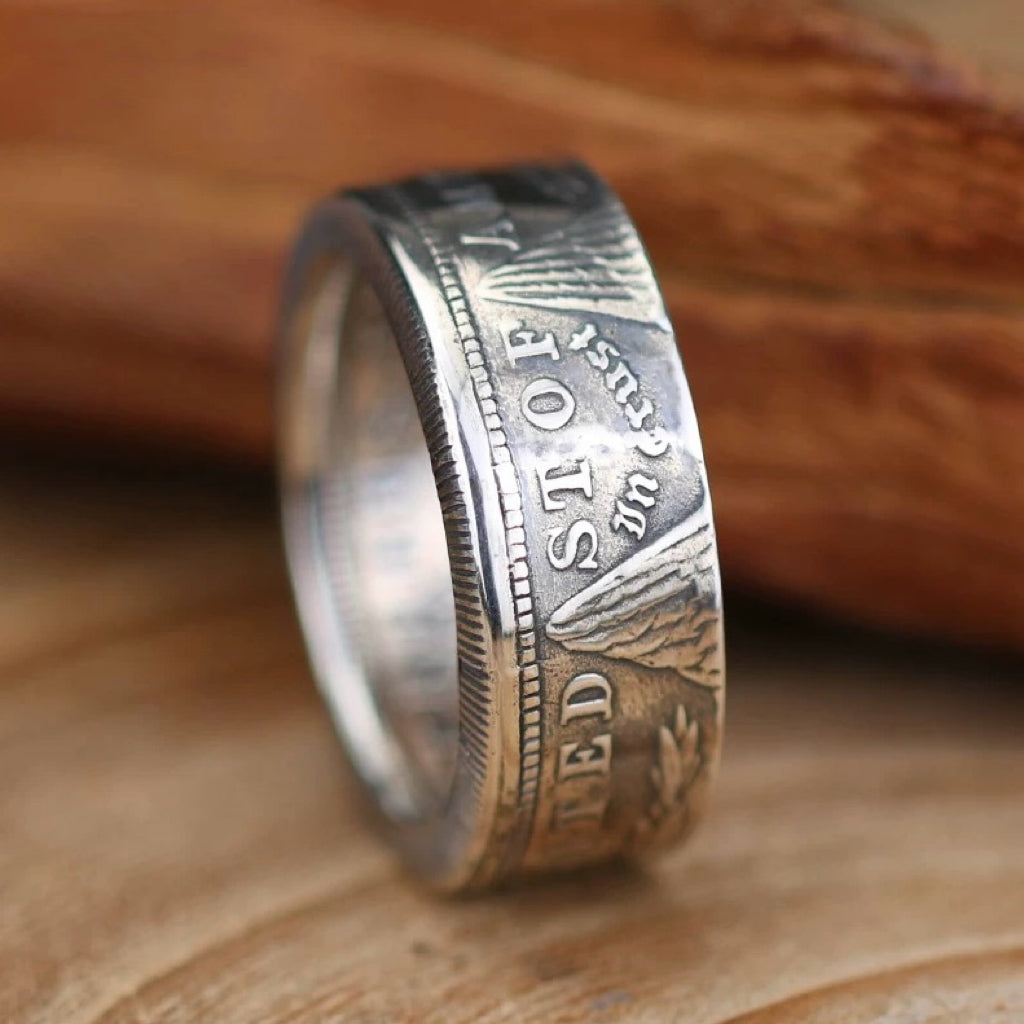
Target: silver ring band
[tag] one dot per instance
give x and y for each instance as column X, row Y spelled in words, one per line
column 497, row 521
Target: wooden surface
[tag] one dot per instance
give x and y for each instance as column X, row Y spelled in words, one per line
column 181, row 842
column 833, row 196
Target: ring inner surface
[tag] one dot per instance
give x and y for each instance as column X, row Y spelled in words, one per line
column 384, row 548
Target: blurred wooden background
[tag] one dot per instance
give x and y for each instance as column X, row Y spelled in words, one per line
column 834, row 198
column 181, row 844
column 833, row 195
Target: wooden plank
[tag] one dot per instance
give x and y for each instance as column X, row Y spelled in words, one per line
column 834, row 197
column 181, row 841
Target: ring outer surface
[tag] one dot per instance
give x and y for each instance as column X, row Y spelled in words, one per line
column 577, row 515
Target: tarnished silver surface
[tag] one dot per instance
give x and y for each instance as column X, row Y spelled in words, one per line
column 498, row 522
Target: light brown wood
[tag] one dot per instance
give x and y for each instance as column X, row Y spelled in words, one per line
column 833, row 196
column 182, row 843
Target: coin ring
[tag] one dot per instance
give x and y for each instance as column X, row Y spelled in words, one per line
column 498, row 523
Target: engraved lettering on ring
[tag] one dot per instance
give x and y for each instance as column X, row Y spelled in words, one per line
column 579, row 532
column 547, row 403
column 558, row 477
column 584, row 695
column 522, row 343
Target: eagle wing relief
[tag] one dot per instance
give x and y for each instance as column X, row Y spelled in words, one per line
column 594, row 264
column 659, row 607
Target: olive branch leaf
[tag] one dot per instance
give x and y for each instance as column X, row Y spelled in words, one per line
column 678, row 759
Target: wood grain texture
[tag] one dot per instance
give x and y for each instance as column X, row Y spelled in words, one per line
column 833, row 196
column 182, row 844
